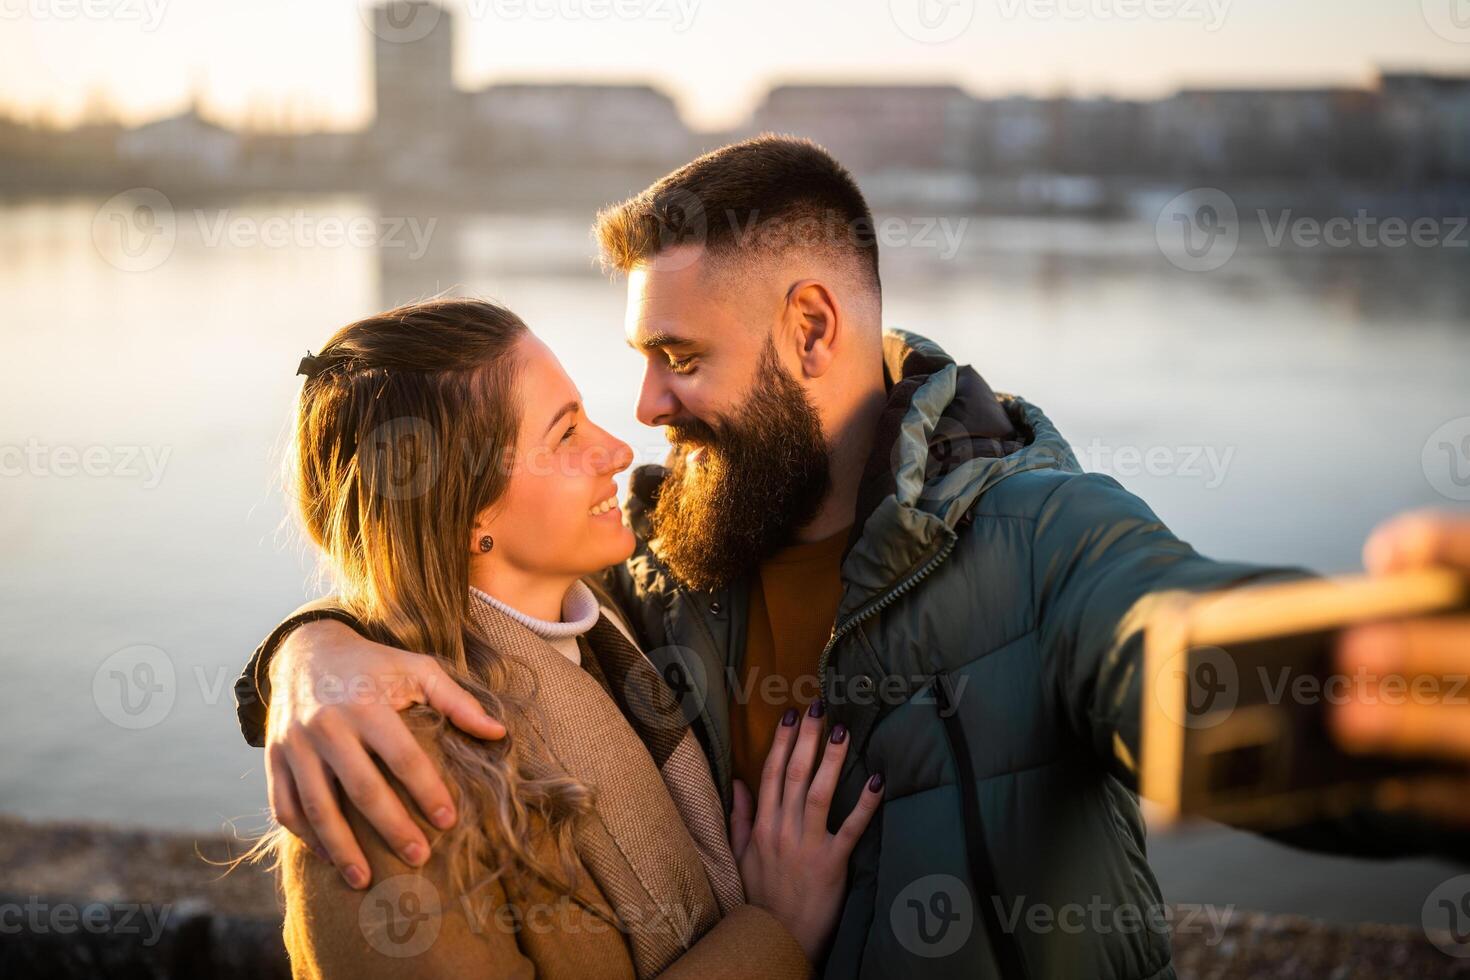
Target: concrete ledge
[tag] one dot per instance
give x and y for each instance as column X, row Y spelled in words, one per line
column 81, row 900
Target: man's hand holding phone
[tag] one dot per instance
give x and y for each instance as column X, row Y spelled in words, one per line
column 1434, row 651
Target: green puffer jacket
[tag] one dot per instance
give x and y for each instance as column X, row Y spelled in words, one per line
column 986, row 660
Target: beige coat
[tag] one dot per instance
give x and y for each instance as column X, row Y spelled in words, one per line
column 653, row 898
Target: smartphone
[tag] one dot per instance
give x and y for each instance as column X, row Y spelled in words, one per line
column 1238, row 686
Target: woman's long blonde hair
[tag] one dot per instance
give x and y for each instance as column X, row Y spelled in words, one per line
column 404, row 431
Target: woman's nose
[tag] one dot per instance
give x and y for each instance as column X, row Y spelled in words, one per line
column 621, row 456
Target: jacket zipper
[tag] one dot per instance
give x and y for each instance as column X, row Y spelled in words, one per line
column 887, row 599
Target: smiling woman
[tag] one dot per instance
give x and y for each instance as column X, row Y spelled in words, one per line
column 446, row 468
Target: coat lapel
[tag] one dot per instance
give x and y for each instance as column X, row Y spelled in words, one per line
column 635, row 844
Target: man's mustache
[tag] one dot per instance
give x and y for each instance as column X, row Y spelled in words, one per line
column 692, row 433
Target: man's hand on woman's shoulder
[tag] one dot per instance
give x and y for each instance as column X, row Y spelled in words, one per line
column 334, row 711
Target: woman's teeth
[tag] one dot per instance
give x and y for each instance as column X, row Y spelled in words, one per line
column 605, row 506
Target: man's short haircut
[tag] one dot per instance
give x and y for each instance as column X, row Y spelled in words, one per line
column 759, row 197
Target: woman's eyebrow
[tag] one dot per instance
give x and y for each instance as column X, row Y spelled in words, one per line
column 571, row 406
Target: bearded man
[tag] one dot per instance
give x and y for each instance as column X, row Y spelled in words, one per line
column 849, row 518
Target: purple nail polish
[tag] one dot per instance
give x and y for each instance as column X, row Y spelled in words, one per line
column 789, row 718
column 875, row 782
column 839, row 733
column 817, row 709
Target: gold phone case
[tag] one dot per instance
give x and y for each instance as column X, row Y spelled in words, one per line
column 1222, row 747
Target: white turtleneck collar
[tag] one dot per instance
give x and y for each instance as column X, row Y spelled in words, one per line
column 579, row 612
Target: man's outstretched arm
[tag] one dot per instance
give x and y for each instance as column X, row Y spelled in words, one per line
column 322, row 700
column 1101, row 558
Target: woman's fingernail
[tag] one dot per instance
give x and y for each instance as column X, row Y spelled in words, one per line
column 817, row 709
column 839, row 733
column 443, row 818
column 355, row 876
column 789, row 718
column 415, row 854
column 875, row 782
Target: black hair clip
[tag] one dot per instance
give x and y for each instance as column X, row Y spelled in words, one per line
column 311, row 365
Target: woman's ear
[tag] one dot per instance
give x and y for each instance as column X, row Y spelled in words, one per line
column 815, row 318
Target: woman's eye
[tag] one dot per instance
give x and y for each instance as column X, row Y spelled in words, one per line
column 567, row 435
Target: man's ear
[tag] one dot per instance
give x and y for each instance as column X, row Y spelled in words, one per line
column 816, row 322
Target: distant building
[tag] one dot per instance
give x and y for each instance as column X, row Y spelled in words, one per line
column 1015, row 135
column 584, row 125
column 186, row 145
column 417, row 105
column 1428, row 118
column 875, row 129
column 1275, row 133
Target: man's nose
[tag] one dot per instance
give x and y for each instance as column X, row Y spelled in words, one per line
column 657, row 405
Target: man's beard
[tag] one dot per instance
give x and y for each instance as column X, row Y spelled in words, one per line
column 762, row 476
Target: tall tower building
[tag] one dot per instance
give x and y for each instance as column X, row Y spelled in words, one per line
column 413, row 75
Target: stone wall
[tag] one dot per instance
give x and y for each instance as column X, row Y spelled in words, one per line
column 88, row 901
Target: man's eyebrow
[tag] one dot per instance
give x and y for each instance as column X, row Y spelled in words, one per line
column 568, row 407
column 656, row 340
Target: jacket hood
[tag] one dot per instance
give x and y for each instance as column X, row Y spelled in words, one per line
column 943, row 438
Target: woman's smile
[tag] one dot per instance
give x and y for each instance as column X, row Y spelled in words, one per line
column 604, row 507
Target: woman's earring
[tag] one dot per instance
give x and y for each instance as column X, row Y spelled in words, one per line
column 486, row 543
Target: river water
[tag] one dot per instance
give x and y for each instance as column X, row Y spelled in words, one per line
column 1274, row 409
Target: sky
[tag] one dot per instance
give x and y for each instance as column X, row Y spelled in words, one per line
column 298, row 63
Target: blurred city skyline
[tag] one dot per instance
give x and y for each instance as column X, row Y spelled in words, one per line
column 279, row 66
column 563, row 141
